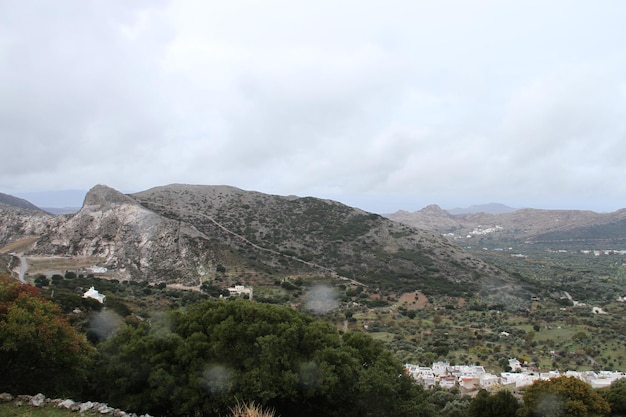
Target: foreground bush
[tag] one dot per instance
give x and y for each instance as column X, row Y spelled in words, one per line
column 201, row 360
column 39, row 350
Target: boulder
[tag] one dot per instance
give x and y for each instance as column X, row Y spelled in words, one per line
column 66, row 404
column 37, row 400
column 85, row 406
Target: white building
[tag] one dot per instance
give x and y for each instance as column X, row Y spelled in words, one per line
column 471, row 378
column 93, row 293
column 240, row 290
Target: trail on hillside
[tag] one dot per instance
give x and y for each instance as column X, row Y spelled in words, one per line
column 260, row 248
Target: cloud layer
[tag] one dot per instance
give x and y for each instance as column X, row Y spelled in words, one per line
column 382, row 105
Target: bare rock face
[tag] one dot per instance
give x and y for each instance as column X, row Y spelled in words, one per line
column 131, row 238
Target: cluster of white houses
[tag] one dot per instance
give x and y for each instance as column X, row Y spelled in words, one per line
column 471, row 377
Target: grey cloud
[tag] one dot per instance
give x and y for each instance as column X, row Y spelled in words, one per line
column 421, row 102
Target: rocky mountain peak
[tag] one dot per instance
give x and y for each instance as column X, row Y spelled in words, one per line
column 102, row 196
column 434, row 209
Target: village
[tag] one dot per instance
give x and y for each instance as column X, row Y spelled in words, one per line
column 471, row 378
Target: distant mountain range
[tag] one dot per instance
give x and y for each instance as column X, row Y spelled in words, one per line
column 523, row 225
column 491, row 208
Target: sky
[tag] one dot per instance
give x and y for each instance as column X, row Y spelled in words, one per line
column 381, row 105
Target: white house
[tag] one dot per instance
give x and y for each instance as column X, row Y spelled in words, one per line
column 240, row 290
column 448, row 381
column 440, row 368
column 515, row 365
column 422, row 374
column 489, row 380
column 93, row 293
column 469, row 382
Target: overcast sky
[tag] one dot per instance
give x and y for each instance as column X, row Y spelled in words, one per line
column 382, row 105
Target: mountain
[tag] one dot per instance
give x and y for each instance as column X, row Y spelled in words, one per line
column 10, row 200
column 430, row 217
column 189, row 234
column 491, row 208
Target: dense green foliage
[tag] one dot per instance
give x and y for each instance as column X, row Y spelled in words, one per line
column 199, row 360
column 615, row 395
column 39, row 350
column 500, row 404
column 563, row 397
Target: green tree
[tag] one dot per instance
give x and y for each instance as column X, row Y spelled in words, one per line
column 500, row 404
column 39, row 350
column 42, row 281
column 615, row 395
column 579, row 337
column 199, row 360
column 563, row 397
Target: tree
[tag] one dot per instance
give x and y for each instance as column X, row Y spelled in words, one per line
column 615, row 395
column 563, row 397
column 199, row 360
column 500, row 404
column 579, row 337
column 39, row 350
column 42, row 281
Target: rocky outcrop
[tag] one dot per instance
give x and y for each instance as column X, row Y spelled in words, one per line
column 127, row 236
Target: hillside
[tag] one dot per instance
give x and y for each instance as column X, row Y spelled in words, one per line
column 317, row 235
column 192, row 234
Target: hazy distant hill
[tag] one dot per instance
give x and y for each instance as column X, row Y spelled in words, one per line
column 491, row 208
column 10, row 200
column 523, row 225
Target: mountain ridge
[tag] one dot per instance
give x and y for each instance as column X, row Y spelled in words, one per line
column 490, row 208
column 187, row 234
